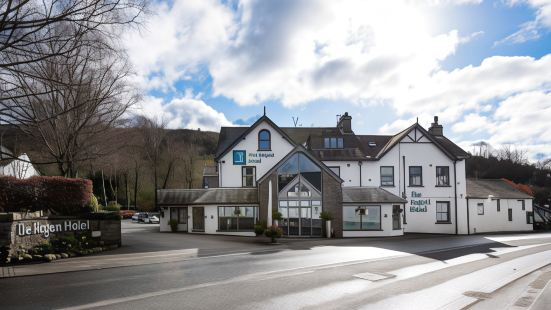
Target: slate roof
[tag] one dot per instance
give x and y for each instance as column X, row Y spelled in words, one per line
column 498, row 188
column 357, row 147
column 208, row 196
column 369, row 195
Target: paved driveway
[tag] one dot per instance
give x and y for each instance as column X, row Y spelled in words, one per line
column 139, row 238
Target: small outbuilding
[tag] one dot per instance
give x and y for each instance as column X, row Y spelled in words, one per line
column 494, row 205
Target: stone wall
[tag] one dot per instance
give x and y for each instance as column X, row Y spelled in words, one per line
column 107, row 232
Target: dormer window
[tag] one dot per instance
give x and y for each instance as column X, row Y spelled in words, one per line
column 264, row 140
column 333, row 143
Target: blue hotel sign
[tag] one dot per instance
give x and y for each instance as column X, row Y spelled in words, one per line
column 239, row 157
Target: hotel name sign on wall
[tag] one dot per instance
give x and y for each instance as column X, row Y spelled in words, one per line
column 416, row 204
column 240, row 157
column 45, row 229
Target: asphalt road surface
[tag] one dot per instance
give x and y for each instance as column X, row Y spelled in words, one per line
column 429, row 272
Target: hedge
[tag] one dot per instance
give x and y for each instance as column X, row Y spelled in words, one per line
column 58, row 195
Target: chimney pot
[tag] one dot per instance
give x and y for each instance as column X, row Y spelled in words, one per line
column 435, row 128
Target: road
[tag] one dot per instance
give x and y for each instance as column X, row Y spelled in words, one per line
column 426, row 272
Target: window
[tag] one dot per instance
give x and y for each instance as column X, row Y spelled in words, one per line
column 336, row 170
column 498, row 204
column 510, row 215
column 415, row 176
column 480, row 208
column 237, row 218
column 299, row 164
column 442, row 211
column 179, row 214
column 249, row 176
column 522, row 203
column 333, row 143
column 387, row 176
column 362, row 218
column 529, row 217
column 264, row 140
column 442, row 176
column 396, row 219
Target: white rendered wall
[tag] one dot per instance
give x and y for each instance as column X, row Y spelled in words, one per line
column 386, row 225
column 230, row 174
column 20, row 168
column 494, row 221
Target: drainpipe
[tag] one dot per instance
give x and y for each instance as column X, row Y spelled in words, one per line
column 360, row 164
column 455, row 192
column 404, row 194
column 468, row 225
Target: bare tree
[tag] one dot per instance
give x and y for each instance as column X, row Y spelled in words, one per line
column 513, row 154
column 154, row 136
column 71, row 108
column 26, row 25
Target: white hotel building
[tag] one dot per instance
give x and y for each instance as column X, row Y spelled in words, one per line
column 372, row 185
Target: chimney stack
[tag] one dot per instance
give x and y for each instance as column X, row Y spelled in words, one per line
column 435, row 128
column 345, row 123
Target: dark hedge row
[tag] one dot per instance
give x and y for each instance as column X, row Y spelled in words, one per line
column 58, row 195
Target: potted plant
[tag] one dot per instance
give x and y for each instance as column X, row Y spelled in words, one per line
column 273, row 232
column 260, row 227
column 276, row 217
column 327, row 217
column 173, row 225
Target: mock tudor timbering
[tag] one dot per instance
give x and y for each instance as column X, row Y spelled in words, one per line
column 371, row 185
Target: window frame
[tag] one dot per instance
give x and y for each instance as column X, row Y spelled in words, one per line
column 410, row 176
column 361, row 218
column 269, row 140
column 498, row 205
column 238, row 229
column 243, row 176
column 333, row 143
column 522, row 204
column 448, row 214
column 510, row 214
column 529, row 217
column 447, row 184
column 381, row 176
column 478, row 205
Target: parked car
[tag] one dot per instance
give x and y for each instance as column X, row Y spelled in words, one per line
column 136, row 217
column 152, row 219
column 127, row 214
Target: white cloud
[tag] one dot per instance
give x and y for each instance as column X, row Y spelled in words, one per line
column 184, row 112
column 530, row 30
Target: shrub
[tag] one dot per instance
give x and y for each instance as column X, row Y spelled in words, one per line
column 113, row 206
column 326, row 216
column 94, row 204
column 59, row 195
column 103, row 216
column 276, row 215
column 273, row 232
column 260, row 227
column 173, row 225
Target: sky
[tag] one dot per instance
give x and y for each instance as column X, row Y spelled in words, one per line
column 483, row 67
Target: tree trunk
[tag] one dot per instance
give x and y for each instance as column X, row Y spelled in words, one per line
column 103, row 185
column 126, row 190
column 136, row 176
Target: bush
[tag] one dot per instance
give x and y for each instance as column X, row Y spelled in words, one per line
column 103, row 216
column 273, row 232
column 113, row 206
column 260, row 227
column 59, row 195
column 276, row 215
column 326, row 216
column 173, row 225
column 94, row 204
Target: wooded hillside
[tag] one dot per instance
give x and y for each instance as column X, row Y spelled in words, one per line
column 124, row 159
